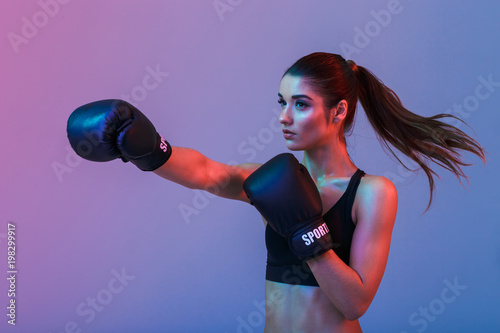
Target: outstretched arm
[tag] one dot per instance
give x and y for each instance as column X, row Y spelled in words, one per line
column 192, row 169
column 109, row 129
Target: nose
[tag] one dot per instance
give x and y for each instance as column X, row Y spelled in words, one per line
column 285, row 116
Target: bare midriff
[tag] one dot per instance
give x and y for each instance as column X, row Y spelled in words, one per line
column 297, row 309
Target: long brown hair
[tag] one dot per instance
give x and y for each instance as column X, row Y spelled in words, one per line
column 422, row 139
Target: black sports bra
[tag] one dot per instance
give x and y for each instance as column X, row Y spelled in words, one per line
column 285, row 267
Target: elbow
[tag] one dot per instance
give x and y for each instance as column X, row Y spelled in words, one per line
column 355, row 311
column 193, row 186
column 356, row 305
column 353, row 315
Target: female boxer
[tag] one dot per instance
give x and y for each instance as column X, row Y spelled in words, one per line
column 329, row 224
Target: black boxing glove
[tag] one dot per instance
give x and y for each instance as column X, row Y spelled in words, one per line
column 285, row 194
column 116, row 129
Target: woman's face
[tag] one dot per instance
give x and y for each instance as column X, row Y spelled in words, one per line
column 306, row 124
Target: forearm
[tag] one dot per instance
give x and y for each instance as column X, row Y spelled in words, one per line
column 341, row 284
column 351, row 288
column 120, row 130
column 194, row 170
column 185, row 167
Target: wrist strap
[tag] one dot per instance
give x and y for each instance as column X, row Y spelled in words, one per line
column 156, row 158
column 311, row 239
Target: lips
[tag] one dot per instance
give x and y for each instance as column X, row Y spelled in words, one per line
column 288, row 134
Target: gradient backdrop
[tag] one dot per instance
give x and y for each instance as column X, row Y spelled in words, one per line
column 104, row 247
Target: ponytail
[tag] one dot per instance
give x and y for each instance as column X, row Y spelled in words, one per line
column 422, row 139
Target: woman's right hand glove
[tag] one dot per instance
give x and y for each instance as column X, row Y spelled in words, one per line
column 105, row 130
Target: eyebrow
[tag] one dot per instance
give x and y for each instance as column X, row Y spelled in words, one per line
column 297, row 96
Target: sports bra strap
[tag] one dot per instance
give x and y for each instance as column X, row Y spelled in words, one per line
column 351, row 191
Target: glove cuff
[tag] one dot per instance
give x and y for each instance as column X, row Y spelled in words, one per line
column 156, row 158
column 310, row 239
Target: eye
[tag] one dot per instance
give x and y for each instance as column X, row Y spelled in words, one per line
column 301, row 105
column 282, row 102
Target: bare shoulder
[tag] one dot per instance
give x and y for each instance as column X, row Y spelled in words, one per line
column 376, row 196
column 372, row 184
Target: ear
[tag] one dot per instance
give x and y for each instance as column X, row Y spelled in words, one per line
column 339, row 111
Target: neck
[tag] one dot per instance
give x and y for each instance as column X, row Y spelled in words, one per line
column 331, row 160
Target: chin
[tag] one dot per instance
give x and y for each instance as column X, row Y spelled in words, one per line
column 294, row 146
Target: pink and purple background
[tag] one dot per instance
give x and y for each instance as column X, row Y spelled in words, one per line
column 195, row 263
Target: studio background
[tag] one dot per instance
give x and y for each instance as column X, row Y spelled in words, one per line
column 157, row 257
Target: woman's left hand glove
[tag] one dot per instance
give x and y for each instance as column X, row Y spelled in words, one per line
column 285, row 194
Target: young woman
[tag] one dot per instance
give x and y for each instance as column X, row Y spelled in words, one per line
column 353, row 213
